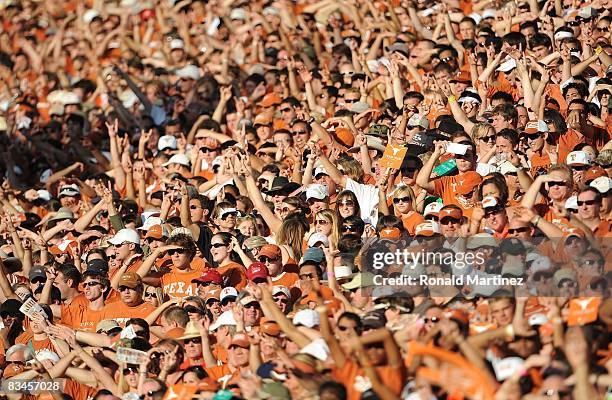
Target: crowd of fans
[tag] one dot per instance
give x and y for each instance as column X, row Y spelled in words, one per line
column 198, row 198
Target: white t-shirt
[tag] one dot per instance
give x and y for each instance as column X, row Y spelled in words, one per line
column 367, row 196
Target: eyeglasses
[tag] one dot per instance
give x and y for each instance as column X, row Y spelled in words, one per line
column 265, row 260
column 149, row 294
column 398, row 200
column 124, row 288
column 130, row 370
column 175, row 251
column 557, row 183
column 513, row 231
column 349, row 203
column 195, row 340
column 586, row 202
column 92, row 284
column 307, row 276
column 449, row 221
column 218, row 245
column 321, row 222
column 349, row 228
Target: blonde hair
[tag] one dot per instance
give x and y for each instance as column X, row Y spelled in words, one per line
column 330, row 216
column 247, row 218
column 479, row 130
column 291, row 234
column 159, row 293
column 400, row 192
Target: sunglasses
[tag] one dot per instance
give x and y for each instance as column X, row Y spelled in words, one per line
column 92, row 284
column 557, row 183
column 321, row 222
column 518, row 230
column 265, row 260
column 218, row 245
column 433, row 320
column 207, row 150
column 349, row 203
column 494, row 212
column 589, row 263
column 307, row 276
column 432, row 218
column 38, row 281
column 586, row 202
column 300, row 132
column 350, row 101
column 320, row 176
column 281, row 300
column 195, row 340
column 532, row 136
column 206, row 283
column 149, row 294
column 193, row 310
column 398, row 200
column 252, row 305
column 175, row 251
column 580, row 167
column 602, row 28
column 152, row 393
column 449, row 221
column 349, row 228
column 125, row 288
column 130, row 370
column 259, row 280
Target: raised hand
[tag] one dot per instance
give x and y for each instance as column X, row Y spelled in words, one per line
column 112, row 128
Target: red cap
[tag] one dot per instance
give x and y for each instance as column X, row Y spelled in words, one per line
column 257, row 270
column 468, row 182
column 210, row 275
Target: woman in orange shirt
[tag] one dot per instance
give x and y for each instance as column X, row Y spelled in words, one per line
column 403, row 207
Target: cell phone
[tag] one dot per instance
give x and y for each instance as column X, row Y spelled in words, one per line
column 446, row 168
column 457, row 148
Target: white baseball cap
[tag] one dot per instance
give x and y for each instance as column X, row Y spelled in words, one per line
column 125, row 235
column 603, row 184
column 69, row 190
column 167, row 142
column 316, row 238
column 180, row 158
column 280, row 289
column 308, row 318
column 572, row 203
column 316, row 191
column 176, row 44
column 433, row 208
column 189, row 72
column 228, row 292
column 226, row 318
column 578, row 158
column 149, row 222
column 343, row 271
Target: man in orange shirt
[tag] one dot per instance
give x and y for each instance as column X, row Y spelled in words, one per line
column 458, row 189
column 131, row 304
column 82, row 316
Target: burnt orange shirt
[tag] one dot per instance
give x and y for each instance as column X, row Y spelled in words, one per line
column 411, row 220
column 233, row 275
column 80, row 317
column 177, row 283
column 121, row 312
column 287, row 279
column 445, row 187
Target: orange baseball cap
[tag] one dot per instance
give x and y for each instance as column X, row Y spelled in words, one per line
column 461, row 76
column 262, row 119
column 451, row 212
column 156, row 232
column 270, row 251
column 390, row 233
column 468, row 182
column 594, row 172
column 269, row 100
column 345, row 137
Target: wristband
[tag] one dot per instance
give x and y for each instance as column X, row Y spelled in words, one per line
column 452, row 98
column 536, row 220
column 310, row 120
column 598, row 50
column 330, row 274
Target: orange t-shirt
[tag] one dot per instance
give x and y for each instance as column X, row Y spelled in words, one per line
column 27, row 338
column 121, row 312
column 79, row 391
column 567, row 142
column 287, row 279
column 222, row 374
column 233, row 275
column 539, row 161
column 445, row 187
column 80, row 317
column 177, row 284
column 411, row 220
column 356, row 381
